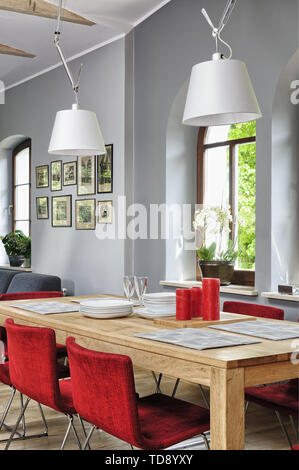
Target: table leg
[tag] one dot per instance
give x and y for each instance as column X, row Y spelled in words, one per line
column 227, row 409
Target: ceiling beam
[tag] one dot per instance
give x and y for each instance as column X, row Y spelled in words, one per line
column 43, row 9
column 4, row 49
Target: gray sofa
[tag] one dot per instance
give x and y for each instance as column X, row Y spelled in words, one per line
column 14, row 281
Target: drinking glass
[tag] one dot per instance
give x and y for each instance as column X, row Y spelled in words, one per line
column 129, row 286
column 140, row 286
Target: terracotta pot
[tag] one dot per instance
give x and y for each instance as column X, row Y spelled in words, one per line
column 223, row 270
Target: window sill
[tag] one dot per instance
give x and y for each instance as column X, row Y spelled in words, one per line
column 232, row 289
column 277, row 296
column 12, row 268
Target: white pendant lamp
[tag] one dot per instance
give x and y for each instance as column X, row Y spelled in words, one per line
column 220, row 91
column 76, row 131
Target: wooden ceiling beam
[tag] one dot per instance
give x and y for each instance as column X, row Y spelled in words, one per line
column 43, row 9
column 8, row 50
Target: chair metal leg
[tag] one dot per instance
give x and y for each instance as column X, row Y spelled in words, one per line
column 17, row 424
column 71, row 418
column 132, row 448
column 246, row 407
column 46, row 433
column 204, row 397
column 295, row 428
column 284, row 430
column 88, row 437
column 206, row 442
column 23, row 417
column 157, row 382
column 7, row 407
column 83, row 429
column 66, row 435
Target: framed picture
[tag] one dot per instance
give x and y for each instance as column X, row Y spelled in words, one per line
column 56, row 176
column 70, row 174
column 61, row 211
column 105, row 212
column 86, row 175
column 42, row 208
column 85, row 214
column 105, row 171
column 42, row 176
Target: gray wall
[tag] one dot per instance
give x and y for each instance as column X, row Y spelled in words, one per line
column 264, row 35
column 85, row 264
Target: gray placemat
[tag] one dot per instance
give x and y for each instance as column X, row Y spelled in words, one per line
column 196, row 339
column 46, row 308
column 262, row 329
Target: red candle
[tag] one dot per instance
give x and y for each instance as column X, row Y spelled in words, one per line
column 183, row 304
column 211, row 299
column 196, row 302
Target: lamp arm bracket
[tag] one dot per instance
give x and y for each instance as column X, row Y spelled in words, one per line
column 224, row 19
column 75, row 85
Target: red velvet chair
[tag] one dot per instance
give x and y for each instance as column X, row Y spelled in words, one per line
column 61, row 350
column 104, row 395
column 254, row 310
column 33, row 372
column 296, row 447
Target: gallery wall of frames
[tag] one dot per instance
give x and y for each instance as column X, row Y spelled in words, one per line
column 91, row 175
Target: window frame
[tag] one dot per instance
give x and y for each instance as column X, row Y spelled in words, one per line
column 16, row 150
column 242, row 276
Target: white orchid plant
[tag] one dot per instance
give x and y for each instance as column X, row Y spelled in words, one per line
column 214, row 222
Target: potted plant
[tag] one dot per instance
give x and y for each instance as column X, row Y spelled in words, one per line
column 27, row 255
column 17, row 246
column 216, row 259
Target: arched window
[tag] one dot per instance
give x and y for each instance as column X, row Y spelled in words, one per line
column 22, row 187
column 227, row 177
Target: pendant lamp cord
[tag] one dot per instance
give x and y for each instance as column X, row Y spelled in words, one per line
column 216, row 32
column 75, row 85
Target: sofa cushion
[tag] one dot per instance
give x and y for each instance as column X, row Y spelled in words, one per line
column 5, row 279
column 32, row 282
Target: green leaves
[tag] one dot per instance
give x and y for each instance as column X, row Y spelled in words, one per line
column 207, row 253
column 17, row 244
column 230, row 255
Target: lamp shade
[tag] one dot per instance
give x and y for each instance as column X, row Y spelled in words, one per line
column 220, row 92
column 76, row 132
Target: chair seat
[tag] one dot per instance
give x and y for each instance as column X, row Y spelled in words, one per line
column 66, row 405
column 4, row 374
column 165, row 421
column 281, row 397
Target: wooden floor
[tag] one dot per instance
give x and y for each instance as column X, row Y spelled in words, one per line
column 262, row 429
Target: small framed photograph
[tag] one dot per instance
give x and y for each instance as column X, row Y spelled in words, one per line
column 56, row 176
column 61, row 211
column 86, row 175
column 105, row 212
column 70, row 174
column 42, row 176
column 105, row 171
column 85, row 214
column 42, row 208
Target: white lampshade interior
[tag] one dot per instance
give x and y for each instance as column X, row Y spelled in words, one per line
column 220, row 92
column 76, row 132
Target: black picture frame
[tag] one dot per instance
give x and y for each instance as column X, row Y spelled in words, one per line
column 74, row 163
column 90, row 187
column 82, row 202
column 51, row 176
column 102, row 164
column 67, row 225
column 37, row 169
column 37, row 205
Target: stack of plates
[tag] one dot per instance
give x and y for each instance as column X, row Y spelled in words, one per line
column 161, row 304
column 105, row 309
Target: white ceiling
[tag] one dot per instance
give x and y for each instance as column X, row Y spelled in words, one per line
column 113, row 19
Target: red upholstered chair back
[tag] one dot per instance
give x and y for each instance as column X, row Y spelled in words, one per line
column 30, row 295
column 254, row 310
column 104, row 391
column 32, row 362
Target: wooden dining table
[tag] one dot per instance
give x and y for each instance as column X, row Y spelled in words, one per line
column 227, row 371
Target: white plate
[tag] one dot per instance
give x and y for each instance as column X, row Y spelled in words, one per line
column 144, row 313
column 164, row 296
column 106, row 316
column 99, row 304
